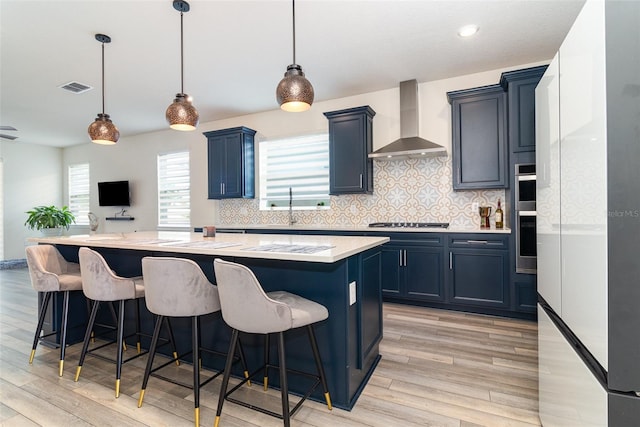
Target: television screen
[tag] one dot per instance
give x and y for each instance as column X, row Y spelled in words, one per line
column 114, row 193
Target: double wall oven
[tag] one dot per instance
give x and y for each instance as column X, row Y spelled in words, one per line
column 525, row 215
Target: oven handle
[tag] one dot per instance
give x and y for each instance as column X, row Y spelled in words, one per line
column 527, row 213
column 526, row 177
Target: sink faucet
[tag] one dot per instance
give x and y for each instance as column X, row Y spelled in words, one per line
column 291, row 220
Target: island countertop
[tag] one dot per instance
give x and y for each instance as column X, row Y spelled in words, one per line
column 317, row 248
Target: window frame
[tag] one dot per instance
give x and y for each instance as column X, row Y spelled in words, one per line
column 162, row 222
column 81, row 213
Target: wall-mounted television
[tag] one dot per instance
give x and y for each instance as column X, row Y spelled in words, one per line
column 114, row 193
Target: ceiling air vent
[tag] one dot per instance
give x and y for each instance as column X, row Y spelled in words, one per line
column 75, row 87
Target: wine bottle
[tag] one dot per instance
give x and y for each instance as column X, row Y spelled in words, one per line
column 499, row 216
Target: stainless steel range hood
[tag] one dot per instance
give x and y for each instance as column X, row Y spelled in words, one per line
column 410, row 145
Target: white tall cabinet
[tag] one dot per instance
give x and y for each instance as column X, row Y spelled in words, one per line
column 588, row 205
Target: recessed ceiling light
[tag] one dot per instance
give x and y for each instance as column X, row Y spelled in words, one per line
column 468, row 30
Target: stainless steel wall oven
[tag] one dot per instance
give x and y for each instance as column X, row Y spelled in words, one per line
column 525, row 230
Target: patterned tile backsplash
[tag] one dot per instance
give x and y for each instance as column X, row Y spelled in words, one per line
column 413, row 190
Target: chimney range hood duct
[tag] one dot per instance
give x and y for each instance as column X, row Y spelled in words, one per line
column 410, row 145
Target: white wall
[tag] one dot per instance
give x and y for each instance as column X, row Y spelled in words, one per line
column 32, row 177
column 134, row 158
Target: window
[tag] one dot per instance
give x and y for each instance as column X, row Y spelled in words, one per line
column 174, row 200
column 299, row 163
column 79, row 192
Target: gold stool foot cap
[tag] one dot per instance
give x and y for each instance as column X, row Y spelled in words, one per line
column 197, row 416
column 33, row 353
column 216, row 422
column 246, row 375
column 118, row 388
column 61, row 370
column 265, row 382
column 328, row 399
column 78, row 373
column 175, row 356
column 140, row 398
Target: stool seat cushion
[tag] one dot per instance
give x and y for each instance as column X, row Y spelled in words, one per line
column 177, row 287
column 303, row 311
column 100, row 283
column 50, row 272
column 247, row 308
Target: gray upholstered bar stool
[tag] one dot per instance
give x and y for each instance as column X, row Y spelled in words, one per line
column 177, row 287
column 101, row 284
column 51, row 273
column 247, row 308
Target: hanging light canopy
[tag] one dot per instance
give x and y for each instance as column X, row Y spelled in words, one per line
column 181, row 114
column 102, row 130
column 294, row 92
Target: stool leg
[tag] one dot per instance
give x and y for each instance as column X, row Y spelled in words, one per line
column 43, row 311
column 119, row 344
column 316, row 356
column 63, row 330
column 195, row 343
column 138, row 346
column 172, row 340
column 227, row 374
column 243, row 362
column 265, row 379
column 115, row 319
column 87, row 337
column 284, row 386
column 151, row 355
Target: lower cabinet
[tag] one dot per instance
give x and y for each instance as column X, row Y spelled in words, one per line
column 413, row 271
column 479, row 270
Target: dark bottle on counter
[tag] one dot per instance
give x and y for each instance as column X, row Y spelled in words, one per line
column 499, row 216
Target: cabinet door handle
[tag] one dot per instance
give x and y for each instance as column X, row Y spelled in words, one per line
column 405, row 257
column 400, row 258
column 360, row 180
column 224, row 188
column 450, row 261
column 482, row 242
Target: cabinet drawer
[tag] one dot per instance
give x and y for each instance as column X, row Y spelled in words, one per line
column 422, row 239
column 479, row 241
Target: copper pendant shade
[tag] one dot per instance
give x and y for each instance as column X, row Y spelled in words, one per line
column 294, row 92
column 102, row 130
column 181, row 114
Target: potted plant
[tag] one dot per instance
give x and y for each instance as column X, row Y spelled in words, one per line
column 49, row 218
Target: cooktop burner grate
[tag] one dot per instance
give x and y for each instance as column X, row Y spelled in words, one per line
column 409, row 225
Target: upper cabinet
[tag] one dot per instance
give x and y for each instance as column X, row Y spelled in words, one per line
column 231, row 163
column 350, row 142
column 479, row 133
column 521, row 106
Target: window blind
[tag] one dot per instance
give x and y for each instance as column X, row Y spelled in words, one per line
column 300, row 163
column 174, row 200
column 79, row 192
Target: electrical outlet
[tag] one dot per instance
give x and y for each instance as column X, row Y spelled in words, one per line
column 474, row 207
column 352, row 293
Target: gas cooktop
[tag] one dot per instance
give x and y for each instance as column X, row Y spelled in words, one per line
column 409, row 224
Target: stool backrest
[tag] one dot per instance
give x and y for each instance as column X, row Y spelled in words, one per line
column 99, row 282
column 245, row 306
column 45, row 265
column 177, row 287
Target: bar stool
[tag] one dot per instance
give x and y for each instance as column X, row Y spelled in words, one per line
column 247, row 308
column 51, row 273
column 177, row 287
column 101, row 284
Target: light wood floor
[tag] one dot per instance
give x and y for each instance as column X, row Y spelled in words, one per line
column 438, row 368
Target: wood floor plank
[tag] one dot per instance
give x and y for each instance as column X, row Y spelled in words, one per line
column 438, row 368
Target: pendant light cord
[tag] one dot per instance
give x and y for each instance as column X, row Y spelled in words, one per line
column 181, row 55
column 102, row 77
column 294, row 30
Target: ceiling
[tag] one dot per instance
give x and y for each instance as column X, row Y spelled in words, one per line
column 237, row 51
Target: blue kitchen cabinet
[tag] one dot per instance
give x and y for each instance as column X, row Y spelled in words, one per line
column 521, row 106
column 350, row 142
column 479, row 270
column 412, row 267
column 479, row 138
column 231, row 163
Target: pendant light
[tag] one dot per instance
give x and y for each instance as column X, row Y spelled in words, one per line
column 181, row 114
column 294, row 92
column 102, row 130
